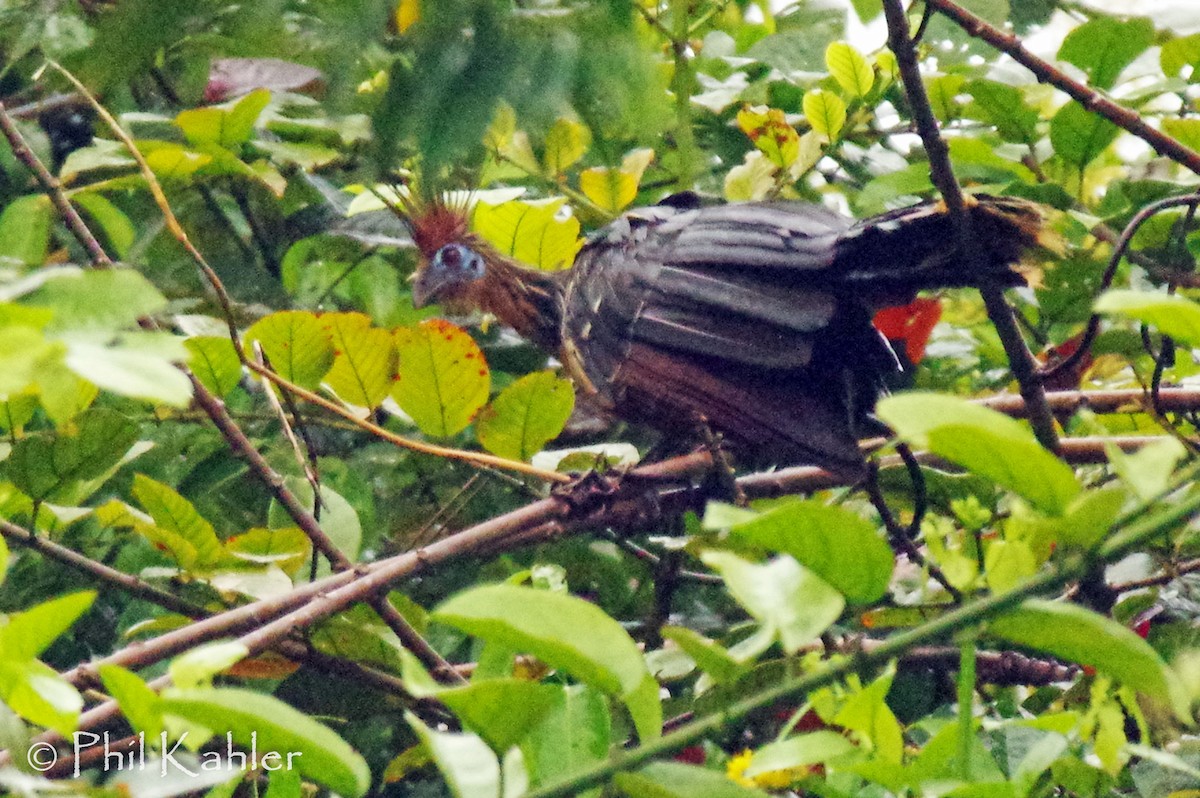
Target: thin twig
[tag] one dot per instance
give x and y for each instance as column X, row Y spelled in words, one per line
column 1089, row 98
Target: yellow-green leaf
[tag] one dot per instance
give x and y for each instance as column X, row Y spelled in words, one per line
column 635, row 162
column 443, row 379
column 566, row 143
column 535, row 233
column 365, row 363
column 297, row 345
column 251, row 717
column 849, row 69
column 826, row 113
column 768, row 128
column 178, row 526
column 215, row 363
column 526, row 415
column 611, row 189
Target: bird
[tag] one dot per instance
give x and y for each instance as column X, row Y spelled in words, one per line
column 748, row 321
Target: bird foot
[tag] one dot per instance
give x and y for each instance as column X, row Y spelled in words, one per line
column 590, row 492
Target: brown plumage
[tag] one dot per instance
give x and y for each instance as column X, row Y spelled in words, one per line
column 752, row 318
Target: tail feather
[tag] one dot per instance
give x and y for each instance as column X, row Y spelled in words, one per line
column 897, row 253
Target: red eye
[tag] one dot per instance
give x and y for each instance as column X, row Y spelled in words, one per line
column 451, row 256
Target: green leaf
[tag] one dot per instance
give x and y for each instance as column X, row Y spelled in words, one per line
column 1076, row 634
column 1181, row 52
column 1004, row 107
column 23, row 355
column 676, row 780
column 819, row 535
column 226, row 128
column 1103, row 46
column 526, row 415
column 501, row 711
column 789, row 600
column 46, row 465
column 566, row 143
column 107, row 218
column 800, row 751
column 984, row 442
column 566, row 633
column 1079, row 135
column 533, row 232
column 296, row 343
column 1172, row 314
column 172, row 162
column 3, row 560
column 109, row 299
column 849, row 69
column 197, row 667
column 272, row 725
column 366, row 360
column 575, row 733
column 1186, row 130
column 339, row 519
column 140, row 365
column 25, row 230
column 469, row 766
column 943, row 95
column 868, row 713
column 709, row 655
column 1008, row 563
column 826, row 113
column 178, row 527
column 1148, row 470
column 443, row 379
column 34, row 691
column 27, row 634
column 215, row 363
column 139, row 704
column 288, row 547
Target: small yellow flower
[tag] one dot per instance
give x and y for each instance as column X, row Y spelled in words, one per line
column 735, row 768
column 737, row 765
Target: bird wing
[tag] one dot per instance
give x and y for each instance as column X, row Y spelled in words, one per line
column 719, row 282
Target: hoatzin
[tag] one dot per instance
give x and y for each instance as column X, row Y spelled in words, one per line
column 754, row 319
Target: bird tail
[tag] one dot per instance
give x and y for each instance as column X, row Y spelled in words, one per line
column 896, row 254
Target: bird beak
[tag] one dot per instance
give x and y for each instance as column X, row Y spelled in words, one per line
column 425, row 288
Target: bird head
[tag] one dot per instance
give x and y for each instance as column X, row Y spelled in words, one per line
column 462, row 272
column 453, row 260
column 448, row 275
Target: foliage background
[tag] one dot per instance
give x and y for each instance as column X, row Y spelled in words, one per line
column 162, row 522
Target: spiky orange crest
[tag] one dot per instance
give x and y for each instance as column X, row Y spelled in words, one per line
column 436, row 224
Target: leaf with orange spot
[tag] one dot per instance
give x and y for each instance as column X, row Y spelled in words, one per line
column 297, row 345
column 365, row 363
column 443, row 379
column 526, row 415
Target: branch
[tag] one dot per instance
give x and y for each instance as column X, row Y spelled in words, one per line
column 1020, row 359
column 1089, row 98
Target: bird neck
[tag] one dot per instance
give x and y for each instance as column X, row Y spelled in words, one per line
column 528, row 300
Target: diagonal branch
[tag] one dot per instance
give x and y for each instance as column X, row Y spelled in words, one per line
column 1020, row 359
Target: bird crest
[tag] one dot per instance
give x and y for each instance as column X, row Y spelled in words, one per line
column 436, row 222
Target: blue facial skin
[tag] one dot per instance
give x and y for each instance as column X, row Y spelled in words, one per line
column 455, row 259
column 451, row 267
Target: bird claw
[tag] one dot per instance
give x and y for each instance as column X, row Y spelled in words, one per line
column 589, row 492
